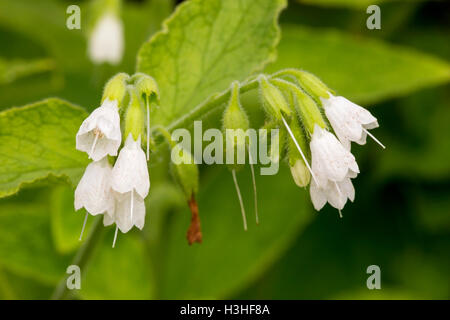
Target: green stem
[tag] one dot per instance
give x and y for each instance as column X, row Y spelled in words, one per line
column 213, row 102
column 81, row 257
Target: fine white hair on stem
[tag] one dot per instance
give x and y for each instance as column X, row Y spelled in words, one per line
column 255, row 195
column 148, row 130
column 115, row 237
column 84, row 225
column 299, row 149
column 373, row 137
column 244, row 219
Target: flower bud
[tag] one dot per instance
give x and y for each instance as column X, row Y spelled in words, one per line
column 311, row 84
column 235, row 124
column 299, row 170
column 306, row 107
column 116, row 87
column 146, row 85
column 185, row 172
column 134, row 117
column 273, row 99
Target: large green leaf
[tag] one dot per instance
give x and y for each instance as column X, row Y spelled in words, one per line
column 229, row 258
column 204, row 46
column 361, row 69
column 38, row 140
column 355, row 4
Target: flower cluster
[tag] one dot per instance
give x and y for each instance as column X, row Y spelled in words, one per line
column 320, row 127
column 116, row 191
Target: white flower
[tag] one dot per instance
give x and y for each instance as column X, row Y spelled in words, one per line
column 94, row 190
column 349, row 121
column 333, row 166
column 106, row 40
column 131, row 184
column 99, row 134
column 336, row 193
column 330, row 160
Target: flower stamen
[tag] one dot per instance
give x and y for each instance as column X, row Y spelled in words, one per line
column 244, row 219
column 148, row 131
column 299, row 149
column 115, row 237
column 255, row 195
column 97, row 135
column 84, row 225
column 373, row 137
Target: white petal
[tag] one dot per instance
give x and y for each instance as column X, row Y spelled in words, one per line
column 94, row 190
column 335, row 196
column 123, row 212
column 104, row 120
column 318, row 197
column 347, row 188
column 130, row 171
column 106, row 40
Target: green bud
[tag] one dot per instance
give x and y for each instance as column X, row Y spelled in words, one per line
column 273, row 99
column 186, row 173
column 306, row 107
column 147, row 85
column 299, row 171
column 277, row 146
column 116, row 87
column 134, row 117
column 311, row 83
column 235, row 118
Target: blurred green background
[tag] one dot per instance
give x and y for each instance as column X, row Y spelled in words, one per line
column 400, row 219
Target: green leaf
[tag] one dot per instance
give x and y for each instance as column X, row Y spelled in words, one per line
column 229, row 259
column 354, row 4
column 11, row 70
column 204, row 46
column 38, row 140
column 26, row 245
column 363, row 70
column 123, row 272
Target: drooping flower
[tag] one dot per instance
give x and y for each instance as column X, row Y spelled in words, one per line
column 106, row 40
column 131, row 183
column 333, row 166
column 330, row 160
column 335, row 193
column 94, row 190
column 99, row 134
column 349, row 121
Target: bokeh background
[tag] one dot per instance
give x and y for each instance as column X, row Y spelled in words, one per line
column 400, row 219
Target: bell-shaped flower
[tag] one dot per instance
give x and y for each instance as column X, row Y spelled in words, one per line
column 349, row 121
column 94, row 190
column 330, row 160
column 99, row 134
column 335, row 193
column 106, row 42
column 131, row 183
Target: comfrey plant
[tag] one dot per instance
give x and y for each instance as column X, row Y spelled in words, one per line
column 314, row 130
column 117, row 191
column 320, row 127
